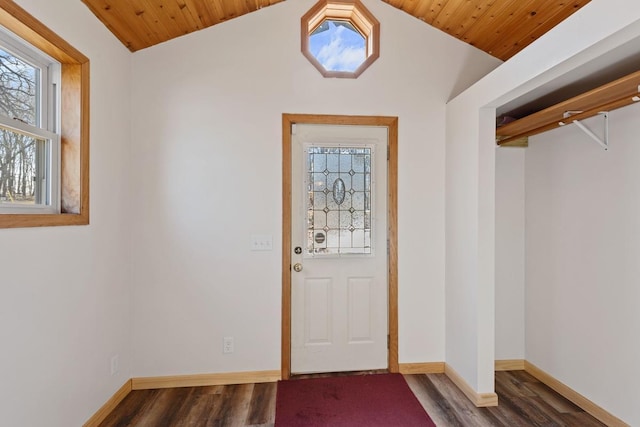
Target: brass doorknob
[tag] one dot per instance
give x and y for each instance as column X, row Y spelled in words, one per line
column 297, row 267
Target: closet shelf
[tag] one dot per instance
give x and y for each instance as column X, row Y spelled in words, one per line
column 616, row 94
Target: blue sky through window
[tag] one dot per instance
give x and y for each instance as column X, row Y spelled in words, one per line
column 338, row 46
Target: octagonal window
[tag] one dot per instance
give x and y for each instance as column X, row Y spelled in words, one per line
column 338, row 46
column 340, row 38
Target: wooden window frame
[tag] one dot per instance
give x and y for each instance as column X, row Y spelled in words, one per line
column 74, row 120
column 342, row 10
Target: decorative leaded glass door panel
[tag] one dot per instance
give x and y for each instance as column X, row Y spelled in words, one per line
column 338, row 212
column 339, row 222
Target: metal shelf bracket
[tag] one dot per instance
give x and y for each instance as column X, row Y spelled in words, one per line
column 604, row 141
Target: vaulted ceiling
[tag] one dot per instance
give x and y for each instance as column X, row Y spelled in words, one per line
column 501, row 28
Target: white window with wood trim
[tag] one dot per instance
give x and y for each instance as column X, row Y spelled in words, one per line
column 44, row 125
column 29, row 128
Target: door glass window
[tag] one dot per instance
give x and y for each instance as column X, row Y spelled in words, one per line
column 338, row 192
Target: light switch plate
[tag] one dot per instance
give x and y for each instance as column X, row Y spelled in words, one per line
column 261, row 242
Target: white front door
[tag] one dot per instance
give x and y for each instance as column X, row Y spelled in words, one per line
column 339, row 290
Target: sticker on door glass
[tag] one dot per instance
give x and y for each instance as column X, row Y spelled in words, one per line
column 338, row 212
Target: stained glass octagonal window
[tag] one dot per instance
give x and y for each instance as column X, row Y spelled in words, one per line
column 340, row 38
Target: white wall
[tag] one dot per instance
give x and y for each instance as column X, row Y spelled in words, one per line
column 207, row 112
column 510, row 214
column 470, row 180
column 582, row 269
column 64, row 291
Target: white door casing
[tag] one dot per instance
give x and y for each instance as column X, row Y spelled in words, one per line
column 339, row 299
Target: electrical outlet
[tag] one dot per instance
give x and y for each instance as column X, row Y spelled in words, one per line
column 227, row 345
column 115, row 364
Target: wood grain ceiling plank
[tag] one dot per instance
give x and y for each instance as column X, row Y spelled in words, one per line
column 398, row 4
column 216, row 10
column 422, row 8
column 174, row 10
column 528, row 15
column 452, row 16
column 253, row 5
column 546, row 18
column 495, row 26
column 404, row 5
column 163, row 14
column 447, row 13
column 408, row 6
column 225, row 9
column 434, row 9
column 484, row 32
column 526, row 18
column 465, row 21
column 236, row 8
column 199, row 12
column 120, row 17
column 190, row 16
column 138, row 16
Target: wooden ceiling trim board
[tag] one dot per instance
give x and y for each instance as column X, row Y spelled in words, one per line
column 528, row 35
column 529, row 26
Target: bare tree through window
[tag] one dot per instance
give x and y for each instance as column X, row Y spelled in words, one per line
column 19, row 92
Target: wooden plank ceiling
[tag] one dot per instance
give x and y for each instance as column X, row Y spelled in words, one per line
column 501, row 28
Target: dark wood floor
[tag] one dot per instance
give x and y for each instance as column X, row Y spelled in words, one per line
column 524, row 401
